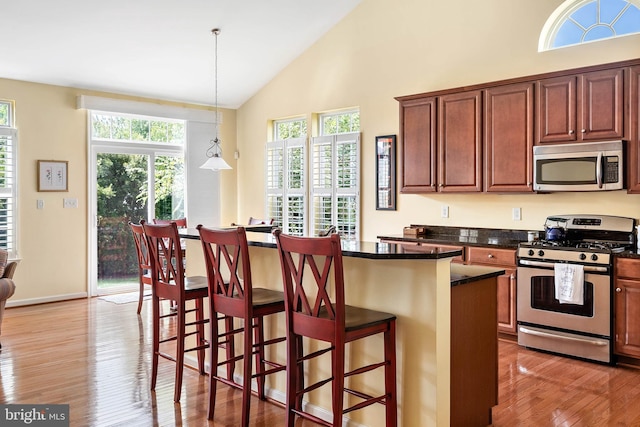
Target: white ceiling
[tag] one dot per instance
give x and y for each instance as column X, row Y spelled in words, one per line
column 161, row 48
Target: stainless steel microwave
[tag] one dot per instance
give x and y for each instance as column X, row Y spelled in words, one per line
column 589, row 166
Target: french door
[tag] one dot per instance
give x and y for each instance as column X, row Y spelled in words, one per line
column 128, row 184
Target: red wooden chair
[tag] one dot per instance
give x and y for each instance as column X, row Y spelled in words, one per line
column 233, row 294
column 310, row 312
column 180, row 222
column 144, row 262
column 169, row 282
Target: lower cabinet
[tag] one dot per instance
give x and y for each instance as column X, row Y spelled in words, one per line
column 627, row 307
column 502, row 258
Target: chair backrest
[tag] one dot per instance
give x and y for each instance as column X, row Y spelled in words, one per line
column 165, row 253
column 226, row 252
column 180, row 222
column 142, row 250
column 308, row 302
column 257, row 221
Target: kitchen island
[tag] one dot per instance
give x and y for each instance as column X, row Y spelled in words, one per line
column 446, row 335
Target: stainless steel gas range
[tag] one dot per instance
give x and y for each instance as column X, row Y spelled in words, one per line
column 564, row 296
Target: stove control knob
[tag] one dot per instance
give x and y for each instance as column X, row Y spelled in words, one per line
column 583, row 257
column 594, row 257
column 540, row 252
column 531, row 252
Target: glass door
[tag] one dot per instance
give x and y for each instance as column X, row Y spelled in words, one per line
column 130, row 185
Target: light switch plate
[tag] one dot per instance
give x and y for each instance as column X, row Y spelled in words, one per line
column 69, row 202
column 516, row 214
column 444, row 212
column 40, row 204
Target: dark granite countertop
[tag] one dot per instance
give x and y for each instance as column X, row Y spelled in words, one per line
column 356, row 249
column 635, row 253
column 464, row 236
column 463, row 274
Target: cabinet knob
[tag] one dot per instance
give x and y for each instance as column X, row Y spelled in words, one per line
column 433, row 185
column 490, row 256
column 441, row 185
column 571, row 131
column 618, row 290
column 583, row 131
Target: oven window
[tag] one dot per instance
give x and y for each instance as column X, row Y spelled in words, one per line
column 543, row 297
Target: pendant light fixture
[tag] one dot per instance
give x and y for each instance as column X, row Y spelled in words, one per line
column 214, row 153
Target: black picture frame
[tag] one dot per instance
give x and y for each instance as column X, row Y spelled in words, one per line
column 386, row 173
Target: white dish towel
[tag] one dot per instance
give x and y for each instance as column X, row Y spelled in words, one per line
column 569, row 282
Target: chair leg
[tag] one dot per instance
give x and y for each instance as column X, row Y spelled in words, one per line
column 179, row 351
column 292, row 382
column 213, row 363
column 246, row 380
column 258, row 331
column 156, row 341
column 299, row 369
column 200, row 334
column 391, row 406
column 230, row 348
column 337, row 391
column 140, row 296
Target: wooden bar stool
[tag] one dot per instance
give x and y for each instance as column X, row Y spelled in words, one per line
column 231, row 293
column 144, row 262
column 310, row 312
column 169, row 282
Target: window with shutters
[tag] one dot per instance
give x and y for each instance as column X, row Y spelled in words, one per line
column 286, row 176
column 8, row 193
column 335, row 175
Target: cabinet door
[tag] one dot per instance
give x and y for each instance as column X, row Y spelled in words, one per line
column 627, row 317
column 633, row 160
column 507, row 302
column 556, row 109
column 460, row 142
column 418, row 136
column 602, row 105
column 508, row 129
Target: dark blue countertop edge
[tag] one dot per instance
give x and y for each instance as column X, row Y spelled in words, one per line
column 355, row 249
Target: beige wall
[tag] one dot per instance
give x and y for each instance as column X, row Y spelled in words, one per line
column 386, row 49
column 52, row 242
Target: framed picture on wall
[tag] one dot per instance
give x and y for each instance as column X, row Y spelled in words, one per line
column 386, row 173
column 52, row 175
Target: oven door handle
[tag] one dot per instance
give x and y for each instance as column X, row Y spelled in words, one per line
column 587, row 268
column 561, row 337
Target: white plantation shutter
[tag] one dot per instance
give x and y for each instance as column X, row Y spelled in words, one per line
column 286, row 184
column 8, row 137
column 335, row 188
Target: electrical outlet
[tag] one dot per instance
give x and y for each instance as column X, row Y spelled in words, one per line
column 444, row 211
column 516, row 214
column 69, row 202
column 40, row 204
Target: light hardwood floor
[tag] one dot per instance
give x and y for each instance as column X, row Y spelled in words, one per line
column 95, row 356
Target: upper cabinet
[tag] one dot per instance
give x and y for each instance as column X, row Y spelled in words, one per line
column 584, row 107
column 418, row 136
column 633, row 160
column 460, row 142
column 508, row 130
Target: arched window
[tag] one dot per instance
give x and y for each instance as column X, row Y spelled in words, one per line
column 583, row 21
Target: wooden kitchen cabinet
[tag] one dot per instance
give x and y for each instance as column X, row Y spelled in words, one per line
column 508, row 138
column 418, row 136
column 580, row 108
column 633, row 161
column 627, row 307
column 503, row 258
column 460, row 142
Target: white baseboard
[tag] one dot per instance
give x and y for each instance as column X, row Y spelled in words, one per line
column 43, row 300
